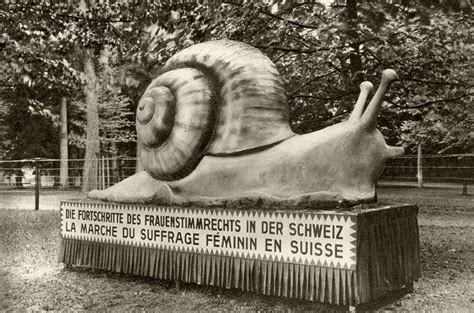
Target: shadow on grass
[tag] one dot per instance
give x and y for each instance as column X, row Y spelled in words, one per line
column 223, row 296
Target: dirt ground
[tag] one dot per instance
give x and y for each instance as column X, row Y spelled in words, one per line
column 32, row 280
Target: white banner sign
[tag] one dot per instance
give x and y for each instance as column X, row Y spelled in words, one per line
column 306, row 238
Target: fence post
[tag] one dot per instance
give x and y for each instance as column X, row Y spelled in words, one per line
column 102, row 171
column 38, row 182
column 107, row 172
column 419, row 166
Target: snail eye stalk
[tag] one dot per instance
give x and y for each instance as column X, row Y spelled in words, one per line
column 369, row 118
column 365, row 89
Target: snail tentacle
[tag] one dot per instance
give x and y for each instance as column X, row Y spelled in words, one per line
column 369, row 118
column 365, row 88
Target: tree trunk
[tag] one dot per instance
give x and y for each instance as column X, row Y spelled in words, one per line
column 63, row 146
column 114, row 164
column 355, row 59
column 19, row 177
column 92, row 136
column 139, row 166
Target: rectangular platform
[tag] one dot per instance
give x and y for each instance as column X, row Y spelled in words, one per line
column 337, row 257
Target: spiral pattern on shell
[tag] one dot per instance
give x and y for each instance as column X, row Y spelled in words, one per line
column 214, row 98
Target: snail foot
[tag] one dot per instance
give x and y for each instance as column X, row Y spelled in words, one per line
column 139, row 188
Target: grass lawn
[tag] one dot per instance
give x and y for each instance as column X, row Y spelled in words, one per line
column 31, row 278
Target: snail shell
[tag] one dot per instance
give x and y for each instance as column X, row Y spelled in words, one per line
column 214, row 98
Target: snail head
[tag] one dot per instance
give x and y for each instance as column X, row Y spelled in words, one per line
column 356, row 148
column 366, row 117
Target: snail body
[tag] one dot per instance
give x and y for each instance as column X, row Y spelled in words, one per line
column 213, row 129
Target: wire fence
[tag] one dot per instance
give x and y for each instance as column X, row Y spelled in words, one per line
column 435, row 168
column 22, row 173
column 110, row 170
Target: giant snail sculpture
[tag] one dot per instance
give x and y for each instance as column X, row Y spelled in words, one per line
column 213, row 129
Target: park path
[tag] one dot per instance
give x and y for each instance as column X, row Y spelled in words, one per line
column 24, row 199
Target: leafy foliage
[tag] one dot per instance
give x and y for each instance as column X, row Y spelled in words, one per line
column 29, row 133
column 323, row 52
column 41, row 55
column 439, row 132
column 116, row 121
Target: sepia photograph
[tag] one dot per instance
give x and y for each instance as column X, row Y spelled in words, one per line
column 236, row 156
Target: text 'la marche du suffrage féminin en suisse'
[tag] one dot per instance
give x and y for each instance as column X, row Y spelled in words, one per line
column 301, row 238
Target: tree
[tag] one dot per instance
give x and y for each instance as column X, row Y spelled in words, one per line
column 324, row 52
column 438, row 132
column 92, row 137
column 63, row 146
column 30, row 133
column 54, row 30
column 36, row 68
